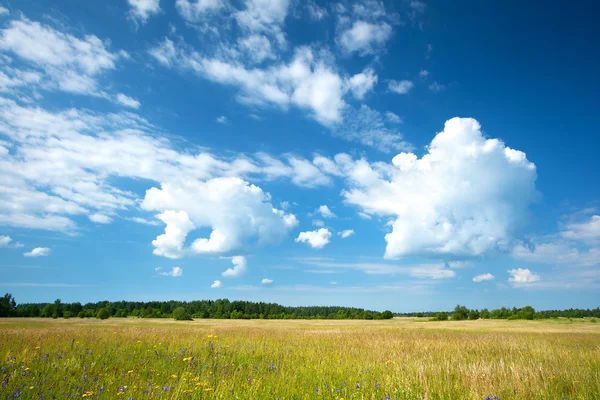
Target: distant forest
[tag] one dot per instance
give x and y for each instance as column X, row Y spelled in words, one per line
column 225, row 309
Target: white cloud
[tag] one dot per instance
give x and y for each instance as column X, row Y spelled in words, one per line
column 417, row 6
column 346, row 233
column 60, row 167
column 368, row 127
column 522, row 277
column 239, row 267
column 5, row 241
column 315, row 239
column 362, row 83
column 222, row 119
column 100, row 218
column 431, row 271
column 422, row 271
column 257, row 48
column 127, row 101
column 325, row 212
column 196, row 10
column 393, row 118
column 315, row 12
column 235, row 210
column 400, row 87
column 460, row 264
column 174, row 272
column 68, row 63
column 587, row 231
column 437, row 87
column 144, row 9
column 143, row 221
column 423, row 73
column 333, row 283
column 307, row 82
column 4, row 11
column 171, row 243
column 364, row 215
column 466, row 197
column 216, row 285
column 483, row 277
column 266, row 281
column 364, row 37
column 557, row 252
column 37, row 252
column 318, row 223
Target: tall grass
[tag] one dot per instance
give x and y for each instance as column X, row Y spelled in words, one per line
column 271, row 359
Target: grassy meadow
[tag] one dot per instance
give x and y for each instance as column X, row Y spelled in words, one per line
column 403, row 358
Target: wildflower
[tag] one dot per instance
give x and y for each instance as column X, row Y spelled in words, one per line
column 130, row 371
column 187, row 358
column 376, row 385
column 358, row 385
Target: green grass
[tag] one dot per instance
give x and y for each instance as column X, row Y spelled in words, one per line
column 402, row 358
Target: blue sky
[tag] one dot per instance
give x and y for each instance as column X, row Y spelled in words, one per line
column 401, row 155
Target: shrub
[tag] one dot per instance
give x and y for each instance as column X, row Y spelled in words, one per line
column 102, row 314
column 67, row 314
column 441, row 316
column 181, row 315
column 81, row 314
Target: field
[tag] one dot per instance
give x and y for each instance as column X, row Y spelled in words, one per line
column 403, row 358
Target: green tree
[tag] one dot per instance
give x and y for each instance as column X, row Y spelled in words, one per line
column 441, row 316
column 102, row 314
column 8, row 305
column 460, row 313
column 181, row 315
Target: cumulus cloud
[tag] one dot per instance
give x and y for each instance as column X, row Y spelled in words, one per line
column 466, row 197
column 315, row 239
column 171, row 243
column 222, row 119
column 239, row 267
column 143, row 9
column 216, row 284
column 520, row 277
column 266, row 281
column 364, row 37
column 5, row 241
column 4, row 11
column 60, row 168
column 174, row 272
column 346, row 233
column 235, row 210
column 400, row 87
column 483, row 277
column 325, row 212
column 362, row 83
column 38, row 252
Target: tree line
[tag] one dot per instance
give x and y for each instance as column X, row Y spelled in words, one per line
column 220, row 309
column 225, row 309
column 461, row 313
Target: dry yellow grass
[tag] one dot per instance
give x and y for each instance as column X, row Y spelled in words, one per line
column 402, row 359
